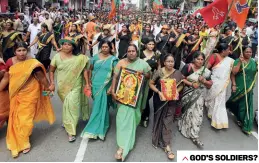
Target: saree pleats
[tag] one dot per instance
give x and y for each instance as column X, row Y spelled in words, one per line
column 163, row 122
column 71, row 113
column 99, row 120
column 127, row 120
column 216, row 95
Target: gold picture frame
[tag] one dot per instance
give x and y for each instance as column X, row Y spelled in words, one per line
column 129, row 86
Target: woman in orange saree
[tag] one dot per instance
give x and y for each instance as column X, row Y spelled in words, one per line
column 28, row 101
column 4, row 96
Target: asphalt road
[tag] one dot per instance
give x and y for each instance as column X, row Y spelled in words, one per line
column 50, row 143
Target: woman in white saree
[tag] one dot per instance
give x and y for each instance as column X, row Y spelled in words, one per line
column 221, row 66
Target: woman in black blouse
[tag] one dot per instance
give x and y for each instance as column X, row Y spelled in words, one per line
column 125, row 38
column 146, row 35
column 162, row 39
column 151, row 56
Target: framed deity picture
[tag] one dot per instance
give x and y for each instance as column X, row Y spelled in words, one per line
column 169, row 89
column 129, row 86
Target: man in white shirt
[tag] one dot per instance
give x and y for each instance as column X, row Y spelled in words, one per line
column 249, row 30
column 33, row 30
column 157, row 28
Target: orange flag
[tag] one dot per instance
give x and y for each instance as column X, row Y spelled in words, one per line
column 239, row 12
column 112, row 13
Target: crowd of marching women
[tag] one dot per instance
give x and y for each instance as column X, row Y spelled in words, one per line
column 185, row 68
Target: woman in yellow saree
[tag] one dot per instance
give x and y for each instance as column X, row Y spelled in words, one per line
column 71, row 77
column 27, row 80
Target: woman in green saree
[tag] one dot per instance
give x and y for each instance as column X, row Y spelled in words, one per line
column 71, row 77
column 100, row 75
column 128, row 118
column 237, row 101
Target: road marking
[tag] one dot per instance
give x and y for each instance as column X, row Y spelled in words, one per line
column 81, row 151
column 255, row 134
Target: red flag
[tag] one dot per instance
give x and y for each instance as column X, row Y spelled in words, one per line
column 112, row 13
column 215, row 13
column 239, row 12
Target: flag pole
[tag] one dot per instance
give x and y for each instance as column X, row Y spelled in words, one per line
column 244, row 76
column 140, row 37
column 117, row 16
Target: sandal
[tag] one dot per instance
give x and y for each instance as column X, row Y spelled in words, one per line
column 170, row 154
column 71, row 138
column 27, row 150
column 197, row 142
column 118, row 154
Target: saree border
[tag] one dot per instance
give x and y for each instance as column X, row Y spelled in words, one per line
column 10, row 40
column 247, row 91
column 180, row 40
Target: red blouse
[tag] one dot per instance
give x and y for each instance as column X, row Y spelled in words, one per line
column 8, row 64
column 214, row 60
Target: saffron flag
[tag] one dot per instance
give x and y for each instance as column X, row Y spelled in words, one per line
column 215, row 13
column 112, row 13
column 157, row 5
column 239, row 12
